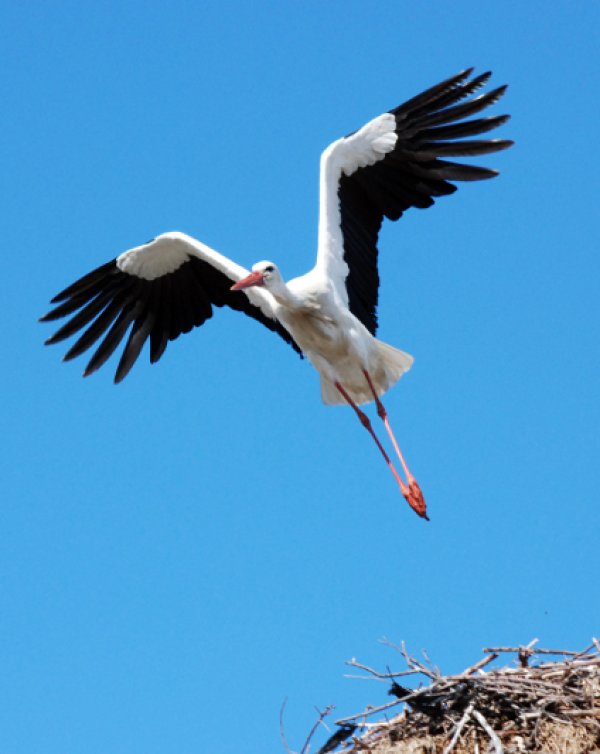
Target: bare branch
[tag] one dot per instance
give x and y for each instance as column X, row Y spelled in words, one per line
column 282, row 728
column 481, row 664
column 587, row 650
column 490, row 731
column 367, row 712
column 458, row 729
column 313, row 730
column 434, row 668
column 516, row 650
column 376, row 674
column 411, row 662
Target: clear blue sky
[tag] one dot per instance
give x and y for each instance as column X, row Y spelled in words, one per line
column 181, row 552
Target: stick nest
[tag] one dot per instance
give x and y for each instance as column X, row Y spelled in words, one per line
column 537, row 703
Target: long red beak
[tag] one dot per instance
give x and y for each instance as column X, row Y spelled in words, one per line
column 254, row 278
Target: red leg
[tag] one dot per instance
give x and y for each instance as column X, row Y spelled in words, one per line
column 415, row 497
column 366, row 422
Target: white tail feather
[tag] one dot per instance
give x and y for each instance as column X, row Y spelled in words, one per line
column 391, row 365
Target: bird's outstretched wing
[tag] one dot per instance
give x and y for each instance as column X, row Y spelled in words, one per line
column 394, row 162
column 161, row 289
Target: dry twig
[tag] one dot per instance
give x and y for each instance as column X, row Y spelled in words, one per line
column 322, row 715
column 282, row 727
column 458, row 729
column 489, row 730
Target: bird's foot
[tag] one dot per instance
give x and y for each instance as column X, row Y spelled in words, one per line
column 414, row 497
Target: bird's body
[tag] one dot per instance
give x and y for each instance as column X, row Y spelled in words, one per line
column 335, row 342
column 171, row 284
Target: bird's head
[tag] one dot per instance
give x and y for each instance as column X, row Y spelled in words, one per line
column 263, row 273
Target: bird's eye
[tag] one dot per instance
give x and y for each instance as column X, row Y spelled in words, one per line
column 270, row 268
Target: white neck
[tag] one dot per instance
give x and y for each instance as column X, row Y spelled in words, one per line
column 283, row 295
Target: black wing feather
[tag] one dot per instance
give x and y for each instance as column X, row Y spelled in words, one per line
column 134, row 303
column 412, row 174
column 109, row 302
column 99, row 326
column 159, row 337
column 142, row 327
column 94, row 277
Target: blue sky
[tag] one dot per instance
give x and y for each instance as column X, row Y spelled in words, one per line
column 183, row 551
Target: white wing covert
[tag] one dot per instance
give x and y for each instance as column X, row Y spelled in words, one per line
column 161, row 289
column 390, row 164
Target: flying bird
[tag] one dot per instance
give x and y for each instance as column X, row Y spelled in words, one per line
column 165, row 287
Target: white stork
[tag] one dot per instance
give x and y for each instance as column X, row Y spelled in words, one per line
column 171, row 284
